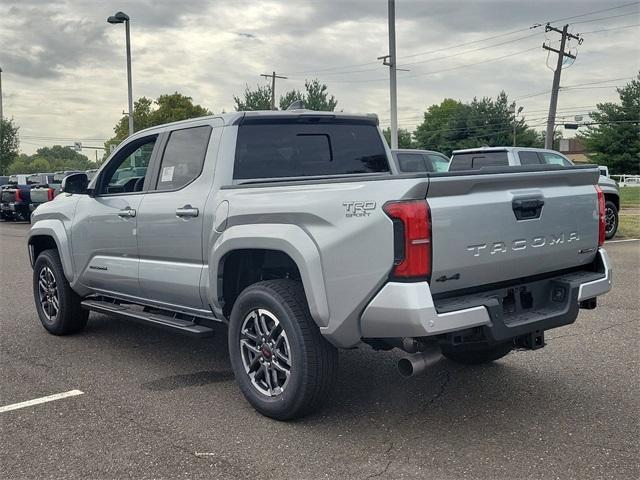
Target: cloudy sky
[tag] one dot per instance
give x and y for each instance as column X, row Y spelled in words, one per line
column 64, row 77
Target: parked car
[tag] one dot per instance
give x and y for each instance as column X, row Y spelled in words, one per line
column 474, row 158
column 296, row 229
column 4, row 179
column 415, row 161
column 15, row 198
column 45, row 192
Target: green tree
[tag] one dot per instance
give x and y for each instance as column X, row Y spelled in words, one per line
column 51, row 159
column 453, row 125
column 9, row 144
column 258, row 99
column 614, row 139
column 290, row 97
column 404, row 138
column 315, row 97
column 148, row 113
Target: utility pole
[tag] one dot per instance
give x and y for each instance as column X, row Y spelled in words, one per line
column 548, row 141
column 273, row 86
column 1, row 117
column 390, row 61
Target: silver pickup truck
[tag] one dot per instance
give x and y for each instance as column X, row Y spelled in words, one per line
column 296, row 230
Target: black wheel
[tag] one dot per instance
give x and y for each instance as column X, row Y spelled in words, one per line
column 57, row 304
column 284, row 367
column 476, row 354
column 611, row 219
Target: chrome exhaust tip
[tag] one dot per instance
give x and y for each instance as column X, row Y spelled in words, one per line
column 416, row 363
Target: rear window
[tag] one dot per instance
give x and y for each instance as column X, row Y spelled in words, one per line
column 33, row 179
column 475, row 160
column 268, row 148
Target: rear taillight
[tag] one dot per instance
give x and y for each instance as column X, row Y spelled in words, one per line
column 50, row 194
column 602, row 220
column 18, row 196
column 412, row 239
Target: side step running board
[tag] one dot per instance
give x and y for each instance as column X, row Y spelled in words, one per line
column 137, row 314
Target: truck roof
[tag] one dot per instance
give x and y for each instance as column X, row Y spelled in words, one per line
column 234, row 118
column 502, row 149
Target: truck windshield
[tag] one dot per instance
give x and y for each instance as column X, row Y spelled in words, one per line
column 276, row 148
column 33, row 179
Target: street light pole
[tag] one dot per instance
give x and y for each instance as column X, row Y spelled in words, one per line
column 121, row 17
column 392, row 74
column 129, row 82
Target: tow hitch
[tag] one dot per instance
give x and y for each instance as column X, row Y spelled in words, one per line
column 530, row 341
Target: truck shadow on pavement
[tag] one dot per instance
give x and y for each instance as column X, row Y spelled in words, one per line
column 368, row 389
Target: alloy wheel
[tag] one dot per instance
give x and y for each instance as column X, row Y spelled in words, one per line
column 48, row 294
column 265, row 351
column 610, row 220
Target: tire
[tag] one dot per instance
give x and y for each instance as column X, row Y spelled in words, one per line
column 294, row 343
column 50, row 286
column 476, row 354
column 611, row 217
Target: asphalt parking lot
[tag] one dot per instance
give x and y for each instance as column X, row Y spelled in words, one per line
column 160, row 405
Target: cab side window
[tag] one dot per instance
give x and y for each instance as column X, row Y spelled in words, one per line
column 528, row 157
column 127, row 171
column 411, row 162
column 183, row 157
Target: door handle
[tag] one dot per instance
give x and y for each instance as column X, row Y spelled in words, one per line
column 187, row 211
column 127, row 212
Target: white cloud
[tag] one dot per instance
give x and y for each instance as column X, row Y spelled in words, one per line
column 64, row 66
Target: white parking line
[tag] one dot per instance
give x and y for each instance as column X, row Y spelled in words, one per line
column 37, row 401
column 627, row 240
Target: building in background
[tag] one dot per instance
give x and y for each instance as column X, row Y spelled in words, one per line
column 574, row 150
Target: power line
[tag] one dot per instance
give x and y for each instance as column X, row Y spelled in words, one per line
column 464, row 44
column 442, row 71
column 595, row 11
column 601, row 18
column 610, row 29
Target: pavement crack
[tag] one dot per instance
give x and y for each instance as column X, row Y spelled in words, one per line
column 381, row 472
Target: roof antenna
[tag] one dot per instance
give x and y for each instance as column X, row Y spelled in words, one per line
column 296, row 105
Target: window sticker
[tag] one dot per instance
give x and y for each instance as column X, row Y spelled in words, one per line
column 167, row 174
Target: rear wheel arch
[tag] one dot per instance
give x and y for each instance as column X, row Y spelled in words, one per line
column 615, row 199
column 295, row 248
column 240, row 268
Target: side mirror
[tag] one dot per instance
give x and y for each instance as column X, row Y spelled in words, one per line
column 75, row 183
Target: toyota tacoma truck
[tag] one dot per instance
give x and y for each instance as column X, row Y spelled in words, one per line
column 473, row 158
column 295, row 229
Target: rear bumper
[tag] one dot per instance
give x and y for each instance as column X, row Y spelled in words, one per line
column 409, row 310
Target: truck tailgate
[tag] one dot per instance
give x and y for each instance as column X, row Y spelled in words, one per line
column 493, row 227
column 39, row 194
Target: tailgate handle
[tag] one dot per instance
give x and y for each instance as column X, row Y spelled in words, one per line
column 527, row 209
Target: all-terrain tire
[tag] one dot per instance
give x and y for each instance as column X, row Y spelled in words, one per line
column 58, row 306
column 611, row 215
column 313, row 361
